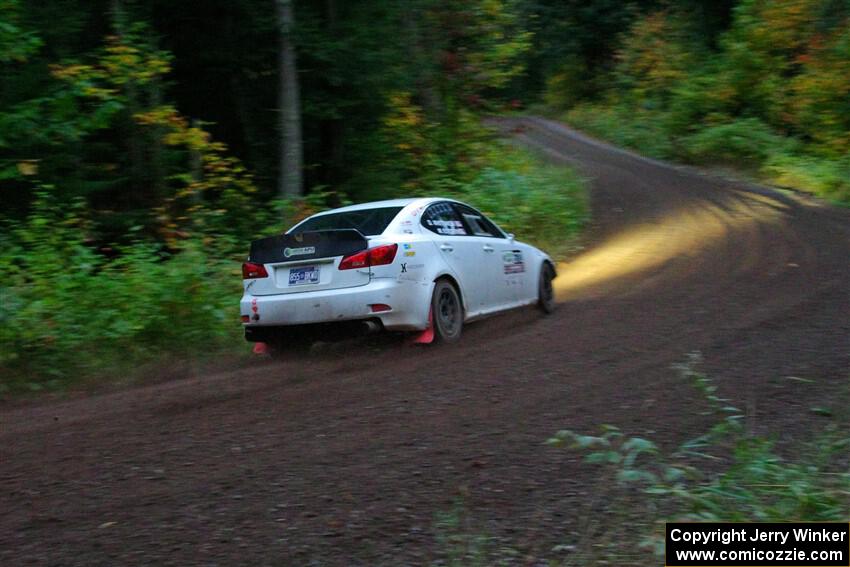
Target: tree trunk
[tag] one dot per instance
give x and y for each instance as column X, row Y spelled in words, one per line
column 291, row 152
column 332, row 128
column 418, row 51
column 140, row 191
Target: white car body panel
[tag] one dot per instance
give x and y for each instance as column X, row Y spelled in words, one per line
column 493, row 274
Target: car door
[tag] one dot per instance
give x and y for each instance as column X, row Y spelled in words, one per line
column 503, row 266
column 463, row 254
column 525, row 286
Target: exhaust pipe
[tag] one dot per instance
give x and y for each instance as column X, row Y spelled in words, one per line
column 371, row 326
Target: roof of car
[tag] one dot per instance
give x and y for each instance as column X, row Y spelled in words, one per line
column 381, row 204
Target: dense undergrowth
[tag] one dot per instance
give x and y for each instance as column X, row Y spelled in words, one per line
column 767, row 95
column 746, row 145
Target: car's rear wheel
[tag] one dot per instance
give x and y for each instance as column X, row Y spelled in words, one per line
column 546, row 291
column 447, row 311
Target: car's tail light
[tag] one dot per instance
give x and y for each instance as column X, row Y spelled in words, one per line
column 359, row 260
column 378, row 256
column 252, row 271
column 382, row 255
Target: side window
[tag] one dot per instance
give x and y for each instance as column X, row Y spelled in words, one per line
column 478, row 224
column 442, row 219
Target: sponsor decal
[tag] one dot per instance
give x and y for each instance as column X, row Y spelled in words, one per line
column 410, row 253
column 446, row 227
column 512, row 262
column 290, row 252
column 403, row 268
column 407, row 246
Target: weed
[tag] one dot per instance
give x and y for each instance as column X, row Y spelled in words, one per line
column 726, row 474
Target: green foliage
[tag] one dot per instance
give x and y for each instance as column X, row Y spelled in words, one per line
column 541, row 204
column 641, row 129
column 825, row 176
column 727, row 474
column 747, row 141
column 427, row 156
column 459, row 545
column 652, row 58
column 68, row 310
column 612, row 449
column 820, row 95
column 16, row 43
column 769, row 95
column 567, row 86
column 574, row 45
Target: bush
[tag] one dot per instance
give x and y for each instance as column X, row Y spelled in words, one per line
column 640, row 129
column 69, row 310
column 827, row 177
column 542, row 204
column 568, row 85
column 747, row 141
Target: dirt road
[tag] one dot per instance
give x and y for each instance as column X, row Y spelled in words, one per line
column 349, row 457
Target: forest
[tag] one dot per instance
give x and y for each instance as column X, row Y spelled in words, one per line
column 144, row 144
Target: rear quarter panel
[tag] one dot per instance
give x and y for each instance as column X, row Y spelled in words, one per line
column 416, row 265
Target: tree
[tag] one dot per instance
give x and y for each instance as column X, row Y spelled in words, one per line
column 291, row 151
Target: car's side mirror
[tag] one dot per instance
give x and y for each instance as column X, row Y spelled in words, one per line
column 511, row 236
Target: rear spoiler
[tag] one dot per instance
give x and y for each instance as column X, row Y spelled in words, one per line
column 307, row 246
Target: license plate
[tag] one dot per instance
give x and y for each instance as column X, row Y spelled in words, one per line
column 302, row 276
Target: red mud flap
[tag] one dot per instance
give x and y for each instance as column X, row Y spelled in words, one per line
column 261, row 348
column 426, row 337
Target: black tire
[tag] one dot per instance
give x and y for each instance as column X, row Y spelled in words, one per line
column 447, row 311
column 545, row 290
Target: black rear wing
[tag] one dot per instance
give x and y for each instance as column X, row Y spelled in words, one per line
column 307, row 246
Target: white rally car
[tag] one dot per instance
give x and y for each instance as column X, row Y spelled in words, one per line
column 401, row 265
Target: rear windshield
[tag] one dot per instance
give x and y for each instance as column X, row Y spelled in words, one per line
column 369, row 222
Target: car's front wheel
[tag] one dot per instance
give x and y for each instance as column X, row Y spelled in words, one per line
column 546, row 291
column 447, row 312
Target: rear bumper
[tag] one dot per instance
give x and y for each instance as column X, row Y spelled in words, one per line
column 409, row 302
